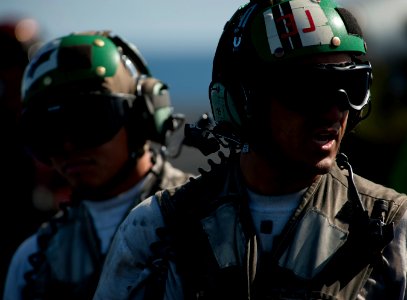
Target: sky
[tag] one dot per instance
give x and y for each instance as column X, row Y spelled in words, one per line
column 158, row 25
column 179, row 26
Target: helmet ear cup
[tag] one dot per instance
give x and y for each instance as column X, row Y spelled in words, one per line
column 223, row 104
column 151, row 115
column 228, row 96
column 154, row 106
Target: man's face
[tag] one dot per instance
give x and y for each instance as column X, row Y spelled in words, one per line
column 307, row 139
column 83, row 136
column 91, row 168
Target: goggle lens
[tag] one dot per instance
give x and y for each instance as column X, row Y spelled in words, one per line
column 325, row 85
column 85, row 120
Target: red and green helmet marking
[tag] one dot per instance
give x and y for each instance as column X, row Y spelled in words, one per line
column 294, row 28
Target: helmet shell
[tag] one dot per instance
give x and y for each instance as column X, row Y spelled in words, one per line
column 77, row 61
column 295, row 28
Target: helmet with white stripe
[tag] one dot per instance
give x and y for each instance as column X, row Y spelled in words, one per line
column 265, row 36
column 88, row 85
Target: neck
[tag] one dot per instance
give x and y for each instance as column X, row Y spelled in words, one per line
column 140, row 169
column 127, row 177
column 272, row 178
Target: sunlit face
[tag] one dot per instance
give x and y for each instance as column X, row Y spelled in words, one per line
column 92, row 168
column 309, row 141
column 306, row 140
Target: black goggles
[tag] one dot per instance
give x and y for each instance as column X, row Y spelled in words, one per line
column 321, row 86
column 86, row 120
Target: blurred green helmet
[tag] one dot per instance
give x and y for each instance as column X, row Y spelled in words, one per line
column 78, row 62
column 261, row 43
column 85, row 87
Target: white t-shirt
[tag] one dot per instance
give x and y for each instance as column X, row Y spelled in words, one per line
column 270, row 214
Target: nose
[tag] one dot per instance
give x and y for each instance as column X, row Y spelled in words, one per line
column 333, row 114
column 338, row 99
column 335, row 109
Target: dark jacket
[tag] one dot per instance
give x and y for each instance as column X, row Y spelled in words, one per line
column 69, row 262
column 330, row 248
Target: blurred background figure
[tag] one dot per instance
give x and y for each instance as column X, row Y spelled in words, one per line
column 23, row 179
column 91, row 111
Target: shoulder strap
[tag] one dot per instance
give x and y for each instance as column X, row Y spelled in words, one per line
column 182, row 208
column 38, row 259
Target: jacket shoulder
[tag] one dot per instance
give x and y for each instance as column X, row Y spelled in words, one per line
column 173, row 177
column 370, row 192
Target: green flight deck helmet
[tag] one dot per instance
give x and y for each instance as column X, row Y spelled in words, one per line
column 87, row 86
column 257, row 54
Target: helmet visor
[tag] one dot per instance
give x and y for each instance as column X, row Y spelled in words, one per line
column 321, row 86
column 85, row 120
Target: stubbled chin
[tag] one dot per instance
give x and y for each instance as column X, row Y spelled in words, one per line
column 324, row 165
